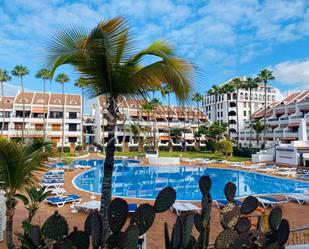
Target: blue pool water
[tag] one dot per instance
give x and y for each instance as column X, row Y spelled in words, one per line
column 134, row 181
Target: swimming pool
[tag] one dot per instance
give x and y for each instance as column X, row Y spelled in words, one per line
column 145, row 182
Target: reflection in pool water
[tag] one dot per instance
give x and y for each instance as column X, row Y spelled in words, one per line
column 146, row 181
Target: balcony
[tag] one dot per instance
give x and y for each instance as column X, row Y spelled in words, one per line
column 290, row 134
column 284, row 121
column 273, row 121
column 296, row 119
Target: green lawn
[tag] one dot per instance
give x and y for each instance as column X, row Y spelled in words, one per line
column 187, row 154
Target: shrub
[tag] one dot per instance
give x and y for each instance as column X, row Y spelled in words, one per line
column 79, row 148
column 65, row 149
column 211, row 146
column 226, row 147
column 244, row 152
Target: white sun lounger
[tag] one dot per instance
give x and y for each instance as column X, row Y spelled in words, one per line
column 61, row 201
column 79, row 166
column 58, row 191
column 88, row 206
column 237, row 164
column 300, row 198
column 52, row 185
column 179, row 207
column 268, row 170
column 252, row 167
column 289, row 173
column 267, row 201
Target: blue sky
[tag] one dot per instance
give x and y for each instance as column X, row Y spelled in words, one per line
column 224, row 38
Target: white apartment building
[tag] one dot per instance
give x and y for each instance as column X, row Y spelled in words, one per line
column 159, row 123
column 222, row 107
column 283, row 120
column 12, row 120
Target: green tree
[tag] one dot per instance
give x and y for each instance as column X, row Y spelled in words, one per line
column 214, row 132
column 136, row 129
column 176, row 133
column 45, row 75
column 4, row 77
column 106, row 56
column 19, row 167
column 81, row 82
column 20, row 71
column 265, row 76
column 62, row 78
column 258, row 127
column 215, row 91
column 237, row 83
column 226, row 147
column 250, row 84
column 197, row 98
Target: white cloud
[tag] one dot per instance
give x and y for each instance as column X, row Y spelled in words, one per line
column 293, row 73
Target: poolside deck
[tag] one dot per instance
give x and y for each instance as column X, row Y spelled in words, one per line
column 295, row 213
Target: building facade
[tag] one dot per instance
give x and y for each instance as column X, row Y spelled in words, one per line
column 223, row 108
column 157, row 124
column 11, row 116
column 283, row 119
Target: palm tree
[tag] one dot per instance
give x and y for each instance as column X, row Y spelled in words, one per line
column 136, row 130
column 258, row 127
column 155, row 103
column 148, row 108
column 81, row 82
column 106, row 56
column 215, row 90
column 250, row 84
column 45, row 75
column 237, row 83
column 4, row 77
column 62, row 78
column 167, row 90
column 20, row 71
column 264, row 76
column 19, row 168
column 197, row 97
column 227, row 89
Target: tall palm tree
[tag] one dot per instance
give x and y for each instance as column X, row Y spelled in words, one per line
column 215, row 90
column 155, row 104
column 237, row 83
column 62, row 78
column 4, row 77
column 81, row 82
column 19, row 168
column 264, row 76
column 20, row 71
column 148, row 108
column 258, row 127
column 167, row 90
column 45, row 75
column 106, row 56
column 250, row 84
column 197, row 98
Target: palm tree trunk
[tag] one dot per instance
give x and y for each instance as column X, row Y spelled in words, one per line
column 168, row 123
column 227, row 116
column 198, row 124
column 44, row 106
column 82, row 123
column 108, row 167
column 2, row 102
column 237, row 117
column 215, row 107
column 62, row 140
column 10, row 210
column 154, row 131
column 265, row 105
column 250, row 110
column 22, row 96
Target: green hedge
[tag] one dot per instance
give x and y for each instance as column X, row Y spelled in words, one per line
column 65, row 149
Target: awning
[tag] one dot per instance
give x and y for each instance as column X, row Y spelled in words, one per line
column 39, row 110
column 165, row 137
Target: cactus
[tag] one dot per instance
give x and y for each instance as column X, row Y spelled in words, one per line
column 274, row 218
column 96, row 229
column 143, row 218
column 117, row 214
column 229, row 215
column 249, row 205
column 225, row 239
column 243, row 225
column 205, row 184
column 230, row 191
column 87, row 224
column 80, row 239
column 55, row 227
column 131, row 237
column 187, row 222
column 165, row 199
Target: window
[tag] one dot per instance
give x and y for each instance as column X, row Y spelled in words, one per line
column 72, row 127
column 246, row 96
column 72, row 139
column 218, row 114
column 55, row 115
column 57, row 101
column 221, row 114
column 229, row 96
column 72, row 115
column 8, row 101
column 73, row 102
column 38, row 127
column 245, row 104
column 209, row 115
column 209, row 108
column 234, row 96
column 56, row 127
column 245, row 113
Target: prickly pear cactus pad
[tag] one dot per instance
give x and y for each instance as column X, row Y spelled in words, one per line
column 274, row 218
column 165, row 199
column 205, row 184
column 258, row 237
column 249, row 205
column 229, row 215
column 143, row 218
column 243, row 240
column 243, row 225
column 55, row 227
column 230, row 191
column 131, row 237
column 117, row 214
column 225, row 238
column 80, row 239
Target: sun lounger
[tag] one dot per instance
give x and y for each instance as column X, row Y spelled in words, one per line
column 305, row 177
column 267, row 201
column 58, row 191
column 88, row 206
column 50, row 185
column 237, row 164
column 61, row 201
column 80, row 166
column 288, row 173
column 52, row 180
column 300, row 198
column 179, row 207
column 268, row 169
column 252, row 167
column 222, row 203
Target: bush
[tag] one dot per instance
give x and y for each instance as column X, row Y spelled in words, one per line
column 79, row 148
column 244, row 152
column 163, row 148
column 211, row 146
column 119, row 148
column 65, row 149
column 133, row 148
column 226, row 147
